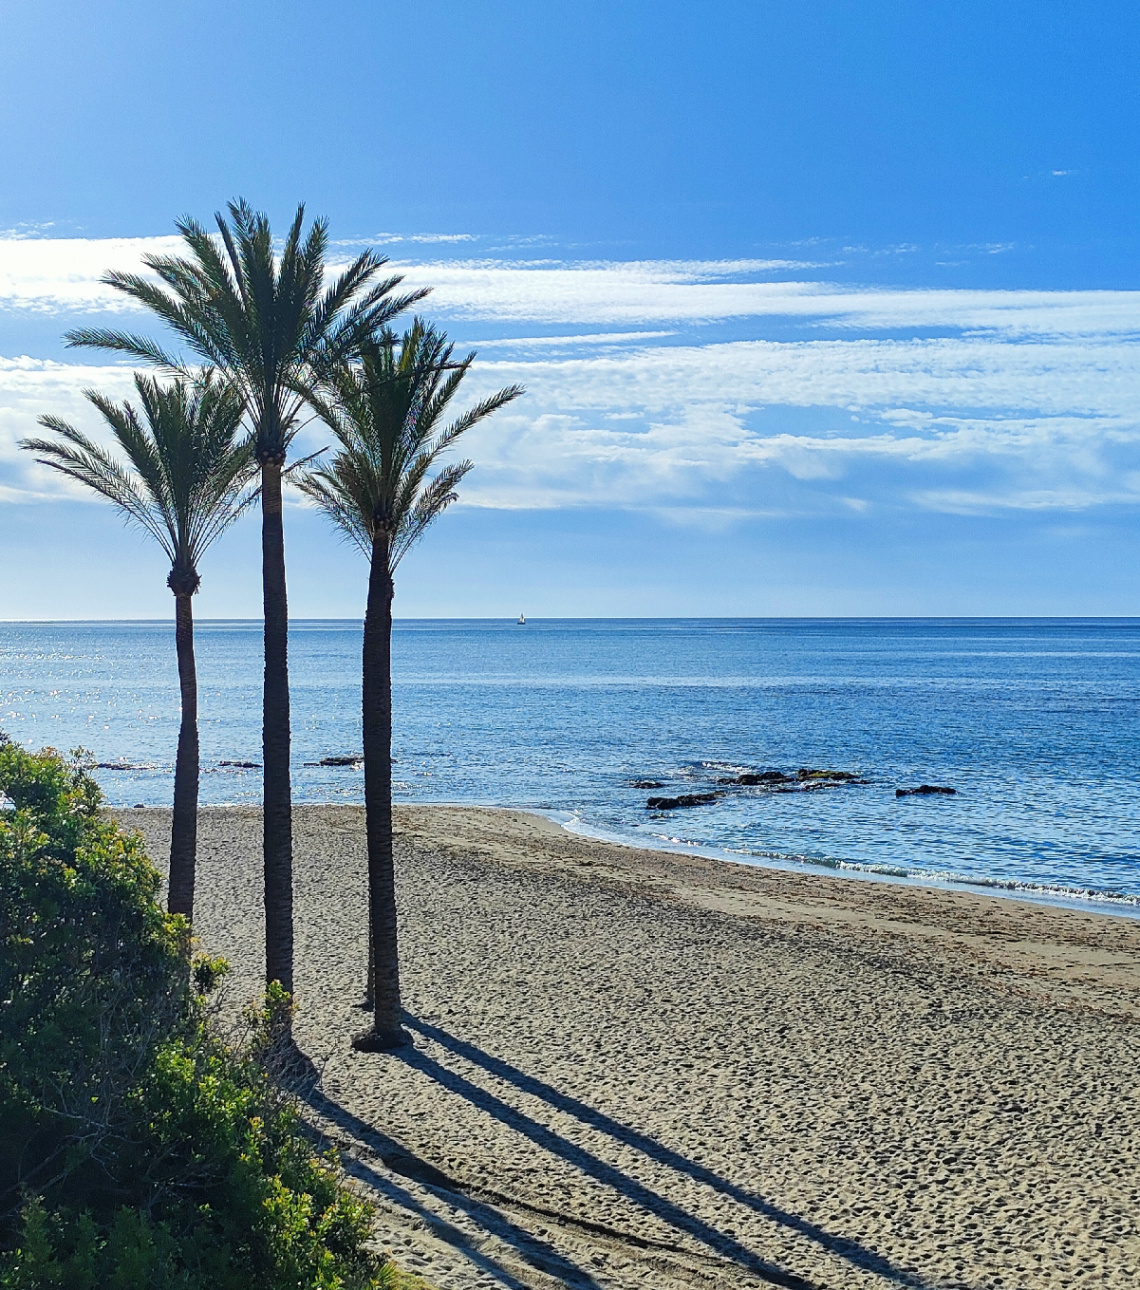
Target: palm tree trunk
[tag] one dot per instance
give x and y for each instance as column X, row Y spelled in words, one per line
column 377, row 712
column 278, row 808
column 184, row 827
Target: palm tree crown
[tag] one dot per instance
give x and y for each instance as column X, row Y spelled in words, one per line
column 267, row 322
column 188, row 468
column 385, row 411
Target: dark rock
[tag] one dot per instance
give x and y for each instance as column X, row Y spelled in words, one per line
column 242, row 765
column 648, row 783
column 751, row 778
column 336, row 761
column 685, row 799
column 113, row 765
column 924, row 790
column 140, row 806
column 805, row 776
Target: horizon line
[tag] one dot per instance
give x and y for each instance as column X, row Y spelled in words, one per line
column 598, row 618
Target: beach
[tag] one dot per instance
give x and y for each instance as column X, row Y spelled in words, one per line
column 633, row 1068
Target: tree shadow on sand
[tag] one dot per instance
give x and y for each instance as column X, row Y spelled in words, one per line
column 851, row 1251
column 536, row 1252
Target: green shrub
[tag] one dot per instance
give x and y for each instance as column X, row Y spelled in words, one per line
column 139, row 1149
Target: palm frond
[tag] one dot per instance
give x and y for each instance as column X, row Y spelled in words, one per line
column 429, row 505
column 266, row 321
column 340, row 506
column 86, row 462
column 303, row 463
column 383, row 404
column 473, row 416
column 188, row 470
column 122, row 342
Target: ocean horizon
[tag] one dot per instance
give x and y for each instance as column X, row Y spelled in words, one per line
column 1034, row 722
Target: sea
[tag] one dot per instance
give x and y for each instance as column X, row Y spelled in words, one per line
column 1035, row 724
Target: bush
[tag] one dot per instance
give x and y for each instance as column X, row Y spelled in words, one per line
column 139, row 1149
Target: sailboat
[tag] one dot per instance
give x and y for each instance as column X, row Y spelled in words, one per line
column 522, row 620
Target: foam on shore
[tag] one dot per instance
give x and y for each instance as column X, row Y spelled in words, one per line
column 1089, row 898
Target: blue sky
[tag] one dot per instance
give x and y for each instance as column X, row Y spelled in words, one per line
column 822, row 308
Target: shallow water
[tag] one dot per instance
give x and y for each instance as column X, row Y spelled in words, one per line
column 1035, row 723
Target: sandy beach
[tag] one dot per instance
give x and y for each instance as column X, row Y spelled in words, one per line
column 639, row 1069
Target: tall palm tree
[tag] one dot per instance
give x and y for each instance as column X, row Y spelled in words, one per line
column 271, row 326
column 386, row 411
column 187, row 481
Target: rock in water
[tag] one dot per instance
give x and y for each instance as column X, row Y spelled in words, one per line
column 925, row 790
column 751, row 778
column 806, row 776
column 686, row 799
column 648, row 783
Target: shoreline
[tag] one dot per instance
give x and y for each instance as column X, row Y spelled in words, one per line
column 642, row 1070
column 1089, row 900
column 1059, row 897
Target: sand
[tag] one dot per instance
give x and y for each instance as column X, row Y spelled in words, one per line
column 638, row 1069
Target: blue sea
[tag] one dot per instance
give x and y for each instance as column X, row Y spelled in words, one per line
column 1034, row 723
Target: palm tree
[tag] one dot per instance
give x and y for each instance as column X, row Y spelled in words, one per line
column 386, row 411
column 186, row 484
column 270, row 326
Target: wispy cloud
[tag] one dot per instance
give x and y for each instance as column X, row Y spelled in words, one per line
column 393, row 239
column 873, row 375
column 659, row 292
column 589, row 339
column 736, row 387
column 63, row 275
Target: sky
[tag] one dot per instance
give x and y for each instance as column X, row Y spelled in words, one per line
column 821, row 308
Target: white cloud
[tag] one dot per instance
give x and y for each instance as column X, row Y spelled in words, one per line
column 611, row 338
column 661, row 425
column 674, row 292
column 960, row 502
column 62, row 275
column 31, row 387
column 392, row 239
column 889, row 377
column 1029, row 402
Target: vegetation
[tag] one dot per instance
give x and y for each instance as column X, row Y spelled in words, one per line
column 271, row 327
column 185, row 485
column 139, row 1149
column 386, row 410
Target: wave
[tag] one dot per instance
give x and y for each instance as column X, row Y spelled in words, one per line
column 1047, row 893
column 946, row 877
